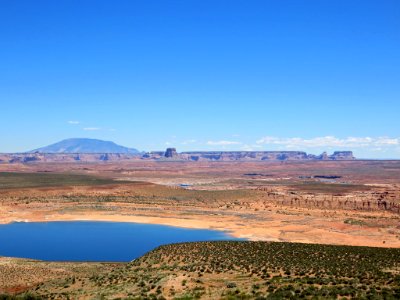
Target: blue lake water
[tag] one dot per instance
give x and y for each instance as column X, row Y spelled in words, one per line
column 93, row 241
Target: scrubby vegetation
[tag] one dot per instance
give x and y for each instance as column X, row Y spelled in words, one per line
column 28, row 180
column 19, row 297
column 245, row 270
column 300, row 208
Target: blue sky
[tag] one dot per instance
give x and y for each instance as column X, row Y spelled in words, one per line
column 202, row 75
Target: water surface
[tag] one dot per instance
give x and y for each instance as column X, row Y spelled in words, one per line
column 93, row 241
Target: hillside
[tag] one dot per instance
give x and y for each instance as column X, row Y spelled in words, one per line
column 85, row 145
column 222, row 270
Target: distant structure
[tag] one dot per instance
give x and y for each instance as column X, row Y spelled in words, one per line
column 262, row 155
column 323, row 156
column 85, row 145
column 342, row 155
column 170, row 153
column 86, row 150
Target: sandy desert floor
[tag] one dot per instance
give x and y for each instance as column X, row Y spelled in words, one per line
column 291, row 201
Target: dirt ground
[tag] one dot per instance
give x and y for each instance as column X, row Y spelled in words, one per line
column 347, row 203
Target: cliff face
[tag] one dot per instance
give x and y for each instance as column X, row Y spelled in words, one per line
column 342, row 155
column 171, row 153
column 244, row 155
column 361, row 201
column 263, row 156
column 64, row 157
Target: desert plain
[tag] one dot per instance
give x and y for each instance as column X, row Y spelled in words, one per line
column 333, row 202
column 349, row 203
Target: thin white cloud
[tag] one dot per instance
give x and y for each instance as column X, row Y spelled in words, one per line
column 247, row 147
column 91, row 128
column 187, row 142
column 73, row 122
column 223, row 143
column 331, row 141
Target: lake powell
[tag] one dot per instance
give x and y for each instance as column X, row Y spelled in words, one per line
column 93, row 241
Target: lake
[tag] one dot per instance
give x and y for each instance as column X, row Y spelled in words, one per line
column 93, row 241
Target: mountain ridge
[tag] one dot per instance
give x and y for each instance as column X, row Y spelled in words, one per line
column 85, row 145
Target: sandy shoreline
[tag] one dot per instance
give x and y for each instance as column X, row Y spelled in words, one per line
column 278, row 229
column 243, row 206
column 173, row 222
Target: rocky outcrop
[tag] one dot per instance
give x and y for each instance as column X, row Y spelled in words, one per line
column 360, row 201
column 29, row 159
column 171, row 153
column 262, row 155
column 65, row 157
column 323, row 156
column 242, row 155
column 104, row 157
column 342, row 155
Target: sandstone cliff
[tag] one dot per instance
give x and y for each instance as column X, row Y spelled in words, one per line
column 172, row 154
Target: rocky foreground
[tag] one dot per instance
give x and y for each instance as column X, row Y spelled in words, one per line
column 218, row 270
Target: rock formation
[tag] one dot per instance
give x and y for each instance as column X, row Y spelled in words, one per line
column 170, row 153
column 323, row 156
column 342, row 155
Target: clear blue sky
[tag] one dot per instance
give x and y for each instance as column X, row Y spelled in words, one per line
column 262, row 75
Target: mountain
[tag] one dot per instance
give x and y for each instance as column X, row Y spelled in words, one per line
column 83, row 145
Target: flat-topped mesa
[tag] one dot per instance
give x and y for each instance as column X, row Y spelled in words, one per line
column 262, row 156
column 243, row 155
column 172, row 154
column 342, row 155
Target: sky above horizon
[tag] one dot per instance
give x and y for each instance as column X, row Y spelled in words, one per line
column 202, row 75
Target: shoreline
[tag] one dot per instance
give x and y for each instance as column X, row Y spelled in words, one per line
column 163, row 221
column 230, row 227
column 170, row 222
